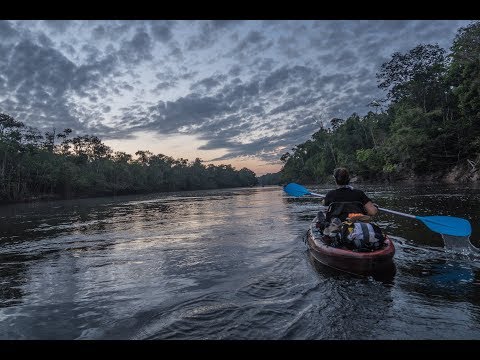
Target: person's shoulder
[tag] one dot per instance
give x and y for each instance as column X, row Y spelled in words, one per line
column 361, row 194
column 329, row 195
column 358, row 191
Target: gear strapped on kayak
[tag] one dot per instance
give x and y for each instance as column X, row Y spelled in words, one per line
column 349, row 260
column 352, row 234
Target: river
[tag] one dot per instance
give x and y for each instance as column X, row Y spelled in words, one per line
column 230, row 264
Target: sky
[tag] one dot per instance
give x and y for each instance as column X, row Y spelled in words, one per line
column 239, row 92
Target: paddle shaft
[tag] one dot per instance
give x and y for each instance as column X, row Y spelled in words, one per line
column 397, row 213
column 319, row 195
column 379, row 208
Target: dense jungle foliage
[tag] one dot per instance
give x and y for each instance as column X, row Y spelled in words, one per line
column 429, row 121
column 52, row 165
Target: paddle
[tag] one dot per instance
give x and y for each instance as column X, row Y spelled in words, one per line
column 447, row 225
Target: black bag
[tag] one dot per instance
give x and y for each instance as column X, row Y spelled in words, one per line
column 321, row 221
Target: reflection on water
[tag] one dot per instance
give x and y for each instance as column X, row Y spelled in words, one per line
column 231, row 264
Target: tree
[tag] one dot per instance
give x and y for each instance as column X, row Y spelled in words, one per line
column 417, row 76
column 8, row 123
column 144, row 156
column 465, row 69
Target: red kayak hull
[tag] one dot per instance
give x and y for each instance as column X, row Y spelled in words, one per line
column 348, row 260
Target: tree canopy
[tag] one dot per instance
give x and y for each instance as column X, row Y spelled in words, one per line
column 429, row 125
column 56, row 165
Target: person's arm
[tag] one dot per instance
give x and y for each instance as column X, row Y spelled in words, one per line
column 368, row 204
column 327, row 199
column 370, row 208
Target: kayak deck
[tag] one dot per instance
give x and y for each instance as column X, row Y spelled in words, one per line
column 345, row 259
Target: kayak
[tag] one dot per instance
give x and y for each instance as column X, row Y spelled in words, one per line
column 348, row 260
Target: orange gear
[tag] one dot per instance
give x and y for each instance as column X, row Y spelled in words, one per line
column 352, row 217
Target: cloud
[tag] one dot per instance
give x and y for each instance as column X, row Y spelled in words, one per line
column 7, row 31
column 162, row 30
column 59, row 26
column 39, row 81
column 36, row 75
column 236, row 112
column 226, row 24
column 204, row 37
column 284, row 75
column 235, row 71
column 253, row 43
column 209, row 83
column 138, row 49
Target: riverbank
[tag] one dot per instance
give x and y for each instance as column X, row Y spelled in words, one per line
column 464, row 173
column 460, row 174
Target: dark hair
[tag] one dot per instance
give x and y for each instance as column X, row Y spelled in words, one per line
column 341, row 175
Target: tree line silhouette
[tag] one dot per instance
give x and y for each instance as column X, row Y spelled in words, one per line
column 55, row 165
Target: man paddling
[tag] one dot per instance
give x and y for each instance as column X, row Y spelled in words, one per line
column 348, row 205
column 346, row 200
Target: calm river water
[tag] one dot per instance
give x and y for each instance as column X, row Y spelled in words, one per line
column 229, row 264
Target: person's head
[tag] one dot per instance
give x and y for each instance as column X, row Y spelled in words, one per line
column 341, row 175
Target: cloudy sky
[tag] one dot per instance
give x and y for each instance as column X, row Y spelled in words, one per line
column 232, row 92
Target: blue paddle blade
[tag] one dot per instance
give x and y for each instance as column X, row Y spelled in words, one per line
column 295, row 190
column 447, row 225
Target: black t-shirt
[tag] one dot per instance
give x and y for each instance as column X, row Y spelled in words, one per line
column 346, row 194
